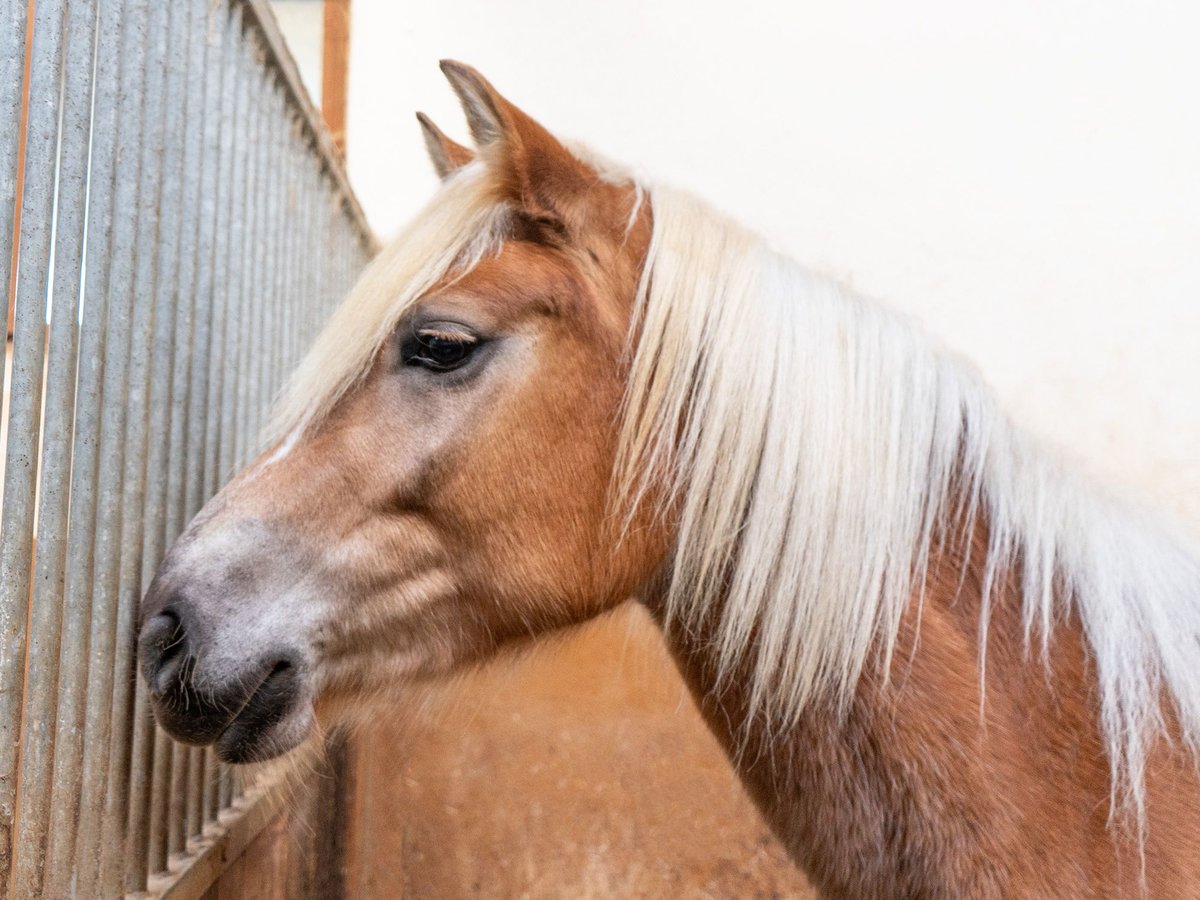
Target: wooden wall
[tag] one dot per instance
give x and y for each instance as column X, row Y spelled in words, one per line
column 582, row 770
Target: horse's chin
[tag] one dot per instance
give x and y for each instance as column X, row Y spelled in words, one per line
column 256, row 736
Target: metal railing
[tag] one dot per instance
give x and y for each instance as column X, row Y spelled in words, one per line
column 180, row 225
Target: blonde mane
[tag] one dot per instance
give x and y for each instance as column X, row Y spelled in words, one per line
column 816, row 445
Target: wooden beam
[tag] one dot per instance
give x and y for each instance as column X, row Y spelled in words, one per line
column 335, row 63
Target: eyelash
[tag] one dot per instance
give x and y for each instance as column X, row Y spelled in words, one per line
column 439, row 349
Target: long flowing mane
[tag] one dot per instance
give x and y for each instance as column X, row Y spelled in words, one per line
column 819, row 447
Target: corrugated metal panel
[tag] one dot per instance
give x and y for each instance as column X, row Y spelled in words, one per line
column 185, row 227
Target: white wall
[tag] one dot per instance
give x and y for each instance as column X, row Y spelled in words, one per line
column 1023, row 176
column 303, row 25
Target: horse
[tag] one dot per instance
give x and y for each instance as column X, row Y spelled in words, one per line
column 942, row 662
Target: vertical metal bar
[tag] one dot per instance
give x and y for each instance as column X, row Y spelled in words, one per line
column 75, row 760
column 259, row 261
column 225, row 786
column 244, row 255
column 162, row 404
column 277, row 220
column 173, row 813
column 344, row 256
column 140, row 465
column 235, row 330
column 188, row 315
column 76, row 750
column 191, row 43
column 199, row 437
column 283, row 270
column 232, row 133
column 299, row 215
column 263, row 297
column 236, row 279
column 314, row 237
column 278, row 306
column 329, row 223
column 13, row 16
column 125, row 822
column 29, row 333
column 303, row 293
column 248, row 359
column 48, row 619
column 120, row 297
column 287, row 222
column 320, row 238
column 217, row 116
column 295, row 218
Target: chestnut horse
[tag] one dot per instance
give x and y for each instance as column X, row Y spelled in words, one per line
column 942, row 664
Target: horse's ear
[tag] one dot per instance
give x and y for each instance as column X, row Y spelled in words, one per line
column 447, row 156
column 541, row 175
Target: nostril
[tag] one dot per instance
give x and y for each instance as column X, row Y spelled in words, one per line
column 163, row 649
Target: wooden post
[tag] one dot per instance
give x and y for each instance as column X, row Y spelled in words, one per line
column 335, row 62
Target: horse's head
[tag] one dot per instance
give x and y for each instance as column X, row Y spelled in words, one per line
column 440, row 487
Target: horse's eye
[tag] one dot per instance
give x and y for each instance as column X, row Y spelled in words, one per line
column 439, row 349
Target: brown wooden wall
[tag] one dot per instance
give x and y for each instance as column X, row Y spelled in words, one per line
column 580, row 771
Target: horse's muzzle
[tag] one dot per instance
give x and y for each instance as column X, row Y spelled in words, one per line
column 238, row 713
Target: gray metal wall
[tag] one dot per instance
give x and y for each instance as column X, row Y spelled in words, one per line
column 184, row 228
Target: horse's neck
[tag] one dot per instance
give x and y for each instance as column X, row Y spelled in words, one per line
column 923, row 788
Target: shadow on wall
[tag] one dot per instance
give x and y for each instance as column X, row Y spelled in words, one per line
column 582, row 770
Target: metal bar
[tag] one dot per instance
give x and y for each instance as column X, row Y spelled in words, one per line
column 275, row 250
column 200, row 439
column 162, row 408
column 231, row 134
column 253, row 259
column 75, row 748
column 252, row 353
column 314, row 237
column 295, row 218
column 216, row 123
column 240, row 370
column 173, row 813
column 287, row 223
column 47, row 619
column 222, row 845
column 29, row 334
column 220, row 230
column 13, row 17
column 264, row 256
column 125, row 833
column 280, row 58
column 187, row 315
column 124, row 105
column 302, row 297
column 192, row 44
column 235, row 302
column 232, row 145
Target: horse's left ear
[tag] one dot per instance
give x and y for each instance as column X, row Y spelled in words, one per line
column 541, row 175
column 446, row 155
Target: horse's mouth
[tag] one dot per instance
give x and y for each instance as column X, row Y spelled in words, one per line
column 264, row 727
column 243, row 727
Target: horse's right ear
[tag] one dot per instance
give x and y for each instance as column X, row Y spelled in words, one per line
column 447, row 156
column 538, row 173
